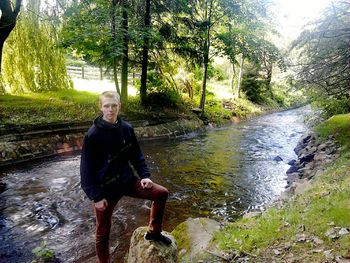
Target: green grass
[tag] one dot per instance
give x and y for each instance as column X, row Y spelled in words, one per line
column 50, row 107
column 323, row 204
column 339, row 126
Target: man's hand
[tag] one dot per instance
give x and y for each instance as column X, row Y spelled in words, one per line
column 101, row 205
column 146, row 183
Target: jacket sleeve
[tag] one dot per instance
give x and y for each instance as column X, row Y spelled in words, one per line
column 137, row 159
column 88, row 172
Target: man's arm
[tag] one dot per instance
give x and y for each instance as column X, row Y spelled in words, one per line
column 88, row 172
column 137, row 159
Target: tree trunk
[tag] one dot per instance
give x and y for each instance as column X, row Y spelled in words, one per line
column 7, row 21
column 125, row 60
column 268, row 78
column 240, row 75
column 143, row 88
column 206, row 57
column 205, row 75
column 1, row 48
column 115, row 61
column 115, row 74
column 232, row 83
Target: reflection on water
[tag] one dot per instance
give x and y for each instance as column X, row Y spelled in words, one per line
column 220, row 174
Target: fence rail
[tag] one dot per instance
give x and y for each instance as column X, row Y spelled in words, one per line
column 85, row 72
column 93, row 73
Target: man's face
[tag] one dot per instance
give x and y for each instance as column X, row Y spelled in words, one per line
column 110, row 109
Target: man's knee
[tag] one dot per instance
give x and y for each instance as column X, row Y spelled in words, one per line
column 163, row 193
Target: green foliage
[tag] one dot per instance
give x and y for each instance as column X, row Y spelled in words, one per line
column 339, row 126
column 43, row 254
column 324, row 52
column 253, row 87
column 156, row 82
column 331, row 106
column 87, row 32
column 32, row 61
column 286, row 96
column 215, row 112
column 167, row 98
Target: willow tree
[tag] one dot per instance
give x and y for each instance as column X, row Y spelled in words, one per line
column 32, row 61
column 7, row 21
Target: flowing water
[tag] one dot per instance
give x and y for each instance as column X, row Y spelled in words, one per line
column 219, row 174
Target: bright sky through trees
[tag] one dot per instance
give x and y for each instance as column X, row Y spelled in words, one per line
column 294, row 14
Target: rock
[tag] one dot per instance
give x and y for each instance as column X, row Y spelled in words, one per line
column 343, row 231
column 277, row 252
column 144, row 251
column 292, row 169
column 2, row 187
column 320, row 157
column 332, row 233
column 300, row 238
column 328, row 254
column 317, row 240
column 47, row 215
column 252, row 214
column 278, row 159
column 340, row 259
column 194, row 236
column 306, row 158
column 292, row 162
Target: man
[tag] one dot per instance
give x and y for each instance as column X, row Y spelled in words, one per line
column 110, row 148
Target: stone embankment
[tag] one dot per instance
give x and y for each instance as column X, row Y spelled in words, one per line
column 312, row 160
column 18, row 145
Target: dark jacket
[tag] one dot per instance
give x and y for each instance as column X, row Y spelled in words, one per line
column 108, row 151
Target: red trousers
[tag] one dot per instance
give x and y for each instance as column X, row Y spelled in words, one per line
column 157, row 194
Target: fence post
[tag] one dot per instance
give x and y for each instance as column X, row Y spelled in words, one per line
column 82, row 72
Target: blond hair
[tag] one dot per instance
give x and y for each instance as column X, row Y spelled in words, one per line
column 109, row 94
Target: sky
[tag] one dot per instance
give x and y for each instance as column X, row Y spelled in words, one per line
column 294, row 14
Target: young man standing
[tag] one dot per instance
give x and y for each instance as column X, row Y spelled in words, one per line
column 110, row 148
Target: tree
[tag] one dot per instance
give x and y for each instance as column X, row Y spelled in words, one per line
column 8, row 21
column 243, row 38
column 32, row 60
column 147, row 26
column 96, row 30
column 198, row 24
column 324, row 55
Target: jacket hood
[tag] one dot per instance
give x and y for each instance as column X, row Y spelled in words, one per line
column 101, row 123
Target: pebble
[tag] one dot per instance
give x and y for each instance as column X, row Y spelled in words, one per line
column 343, row 231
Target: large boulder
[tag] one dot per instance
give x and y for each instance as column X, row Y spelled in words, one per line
column 144, row 251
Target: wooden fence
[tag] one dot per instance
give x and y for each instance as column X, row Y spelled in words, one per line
column 86, row 72
column 93, row 73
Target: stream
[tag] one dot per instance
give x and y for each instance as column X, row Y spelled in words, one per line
column 220, row 174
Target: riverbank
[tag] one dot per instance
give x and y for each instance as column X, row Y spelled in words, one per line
column 36, row 126
column 310, row 226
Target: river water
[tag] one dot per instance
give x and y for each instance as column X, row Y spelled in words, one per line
column 218, row 174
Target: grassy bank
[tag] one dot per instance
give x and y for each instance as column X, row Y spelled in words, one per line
column 298, row 229
column 78, row 106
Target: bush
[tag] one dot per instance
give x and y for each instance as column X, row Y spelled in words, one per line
column 254, row 88
column 43, row 254
column 333, row 106
column 166, row 98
